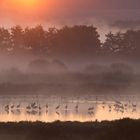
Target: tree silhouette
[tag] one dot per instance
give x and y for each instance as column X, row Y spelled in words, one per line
column 114, row 43
column 76, row 41
column 17, row 38
column 124, row 44
column 79, row 41
column 35, row 40
column 132, row 42
column 5, row 42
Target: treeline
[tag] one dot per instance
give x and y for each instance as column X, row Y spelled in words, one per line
column 79, row 40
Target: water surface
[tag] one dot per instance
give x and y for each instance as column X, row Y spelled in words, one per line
column 51, row 108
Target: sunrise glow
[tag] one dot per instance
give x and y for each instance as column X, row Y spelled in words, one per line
column 26, row 3
column 26, row 6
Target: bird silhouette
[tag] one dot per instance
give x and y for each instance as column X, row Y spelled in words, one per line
column 57, row 107
column 28, row 107
column 76, row 107
column 18, row 106
column 7, row 107
column 39, row 107
column 12, row 106
column 66, row 107
column 47, row 106
column 90, row 108
column 33, row 104
column 134, row 105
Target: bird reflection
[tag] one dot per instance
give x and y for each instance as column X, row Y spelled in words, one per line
column 103, row 105
column 57, row 113
column 91, row 113
column 47, row 106
column 7, row 109
column 66, row 107
column 77, row 107
column 47, row 111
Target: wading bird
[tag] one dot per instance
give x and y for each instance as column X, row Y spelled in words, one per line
column 57, row 107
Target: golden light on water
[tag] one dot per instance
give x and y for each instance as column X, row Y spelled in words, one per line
column 71, row 115
column 46, row 108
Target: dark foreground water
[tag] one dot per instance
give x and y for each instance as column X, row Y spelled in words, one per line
column 116, row 130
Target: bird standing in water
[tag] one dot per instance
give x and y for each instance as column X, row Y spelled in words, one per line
column 57, row 107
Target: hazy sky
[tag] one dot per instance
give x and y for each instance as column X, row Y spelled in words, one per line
column 105, row 14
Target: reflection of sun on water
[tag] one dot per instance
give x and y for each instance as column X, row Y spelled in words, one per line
column 71, row 115
column 88, row 110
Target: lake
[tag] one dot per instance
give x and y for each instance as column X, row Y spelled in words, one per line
column 45, row 108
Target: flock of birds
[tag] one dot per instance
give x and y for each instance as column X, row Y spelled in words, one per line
column 37, row 109
column 122, row 107
column 34, row 109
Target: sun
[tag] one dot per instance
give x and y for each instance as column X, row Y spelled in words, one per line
column 29, row 3
column 26, row 3
column 29, row 8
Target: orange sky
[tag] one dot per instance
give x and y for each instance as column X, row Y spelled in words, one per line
column 35, row 11
column 19, row 8
column 69, row 12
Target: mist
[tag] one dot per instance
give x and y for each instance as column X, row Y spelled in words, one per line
column 39, row 76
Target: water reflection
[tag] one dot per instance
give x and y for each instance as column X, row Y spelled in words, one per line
column 52, row 108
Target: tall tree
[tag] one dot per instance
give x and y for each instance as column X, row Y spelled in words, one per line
column 5, row 42
column 17, row 38
column 132, row 42
column 35, row 39
column 113, row 44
